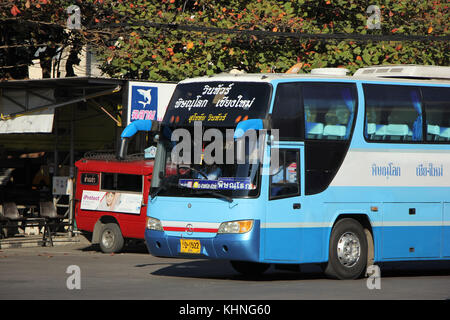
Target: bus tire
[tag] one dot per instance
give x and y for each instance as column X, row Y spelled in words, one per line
column 347, row 257
column 111, row 239
column 248, row 268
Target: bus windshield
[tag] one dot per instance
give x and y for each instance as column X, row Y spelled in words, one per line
column 215, row 106
column 236, row 176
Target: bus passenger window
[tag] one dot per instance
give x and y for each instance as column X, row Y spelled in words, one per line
column 329, row 110
column 288, row 111
column 285, row 176
column 393, row 113
column 437, row 108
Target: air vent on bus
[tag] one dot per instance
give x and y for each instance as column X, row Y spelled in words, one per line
column 405, row 71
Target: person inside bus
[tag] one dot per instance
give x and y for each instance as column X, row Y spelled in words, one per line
column 285, row 176
column 209, row 172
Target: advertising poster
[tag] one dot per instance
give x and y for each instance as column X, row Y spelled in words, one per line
column 111, row 201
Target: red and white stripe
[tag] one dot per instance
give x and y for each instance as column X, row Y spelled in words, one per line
column 181, row 226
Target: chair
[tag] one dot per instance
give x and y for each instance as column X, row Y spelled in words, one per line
column 444, row 134
column 11, row 212
column 314, row 130
column 380, row 131
column 433, row 132
column 371, row 129
column 397, row 131
column 335, row 132
column 10, row 218
column 47, row 210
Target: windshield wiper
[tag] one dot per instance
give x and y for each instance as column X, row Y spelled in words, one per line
column 164, row 184
column 217, row 195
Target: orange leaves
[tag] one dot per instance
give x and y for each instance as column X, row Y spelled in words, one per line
column 190, row 45
column 15, row 11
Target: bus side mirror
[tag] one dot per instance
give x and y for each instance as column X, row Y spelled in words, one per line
column 140, row 125
column 251, row 124
column 132, row 129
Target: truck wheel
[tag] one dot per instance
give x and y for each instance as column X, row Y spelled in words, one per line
column 348, row 250
column 111, row 239
column 249, row 268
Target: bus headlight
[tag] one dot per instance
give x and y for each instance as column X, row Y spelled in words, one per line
column 241, row 226
column 153, row 224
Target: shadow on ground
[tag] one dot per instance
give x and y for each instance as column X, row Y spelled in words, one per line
column 132, row 247
column 218, row 269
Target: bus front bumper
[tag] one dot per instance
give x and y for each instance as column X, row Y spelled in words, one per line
column 243, row 246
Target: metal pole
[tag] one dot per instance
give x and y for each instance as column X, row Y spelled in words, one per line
column 55, row 154
column 72, row 169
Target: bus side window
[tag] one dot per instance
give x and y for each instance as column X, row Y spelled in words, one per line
column 285, row 177
column 437, row 108
column 393, row 113
column 288, row 111
column 329, row 110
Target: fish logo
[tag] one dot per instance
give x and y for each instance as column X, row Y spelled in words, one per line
column 147, row 97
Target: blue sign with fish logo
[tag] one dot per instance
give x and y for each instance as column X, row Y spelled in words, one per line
column 144, row 103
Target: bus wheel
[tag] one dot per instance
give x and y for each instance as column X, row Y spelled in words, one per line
column 348, row 250
column 111, row 239
column 249, row 268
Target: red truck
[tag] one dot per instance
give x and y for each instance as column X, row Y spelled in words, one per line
column 111, row 200
column 112, row 192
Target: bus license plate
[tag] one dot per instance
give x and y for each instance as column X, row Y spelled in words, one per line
column 190, row 246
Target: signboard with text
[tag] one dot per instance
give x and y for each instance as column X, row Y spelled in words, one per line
column 218, row 103
column 148, row 100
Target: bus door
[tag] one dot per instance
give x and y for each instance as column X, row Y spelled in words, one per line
column 281, row 233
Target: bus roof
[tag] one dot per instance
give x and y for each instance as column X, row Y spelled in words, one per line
column 409, row 73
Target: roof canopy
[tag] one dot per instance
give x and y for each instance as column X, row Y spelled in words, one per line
column 27, row 106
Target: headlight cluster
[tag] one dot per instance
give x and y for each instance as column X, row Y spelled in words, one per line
column 241, row 226
column 153, row 224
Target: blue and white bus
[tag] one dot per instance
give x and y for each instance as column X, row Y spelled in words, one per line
column 363, row 173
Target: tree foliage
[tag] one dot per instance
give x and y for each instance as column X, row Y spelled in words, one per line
column 131, row 44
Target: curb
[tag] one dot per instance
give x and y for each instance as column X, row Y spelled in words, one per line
column 29, row 242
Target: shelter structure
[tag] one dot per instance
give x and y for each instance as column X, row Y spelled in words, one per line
column 46, row 125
